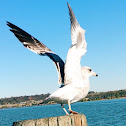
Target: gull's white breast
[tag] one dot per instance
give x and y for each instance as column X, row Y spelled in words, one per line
column 72, row 92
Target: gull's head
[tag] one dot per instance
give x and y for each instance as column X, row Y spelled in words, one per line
column 87, row 72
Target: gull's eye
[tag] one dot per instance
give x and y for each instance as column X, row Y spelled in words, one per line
column 90, row 70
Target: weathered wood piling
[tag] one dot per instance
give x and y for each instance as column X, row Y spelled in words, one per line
column 68, row 120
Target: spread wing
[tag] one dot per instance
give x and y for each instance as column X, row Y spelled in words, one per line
column 36, row 46
column 77, row 33
column 77, row 50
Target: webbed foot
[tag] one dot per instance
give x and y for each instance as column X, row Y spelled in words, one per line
column 73, row 112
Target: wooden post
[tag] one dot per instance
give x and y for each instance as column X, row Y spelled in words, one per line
column 68, row 120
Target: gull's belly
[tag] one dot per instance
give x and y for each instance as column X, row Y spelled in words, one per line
column 80, row 95
column 69, row 92
column 60, row 100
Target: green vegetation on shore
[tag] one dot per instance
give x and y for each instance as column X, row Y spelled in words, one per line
column 106, row 95
column 15, row 100
column 32, row 100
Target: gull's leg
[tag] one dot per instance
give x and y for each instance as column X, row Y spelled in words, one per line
column 64, row 109
column 70, row 110
column 69, row 105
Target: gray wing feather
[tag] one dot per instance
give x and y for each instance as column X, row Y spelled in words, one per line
column 74, row 25
column 73, row 19
column 77, row 33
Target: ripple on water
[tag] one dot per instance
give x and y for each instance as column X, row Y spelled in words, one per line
column 98, row 113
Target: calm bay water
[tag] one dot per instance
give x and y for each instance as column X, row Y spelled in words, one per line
column 98, row 113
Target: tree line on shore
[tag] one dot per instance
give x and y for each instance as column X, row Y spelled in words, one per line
column 17, row 100
column 90, row 97
column 106, row 95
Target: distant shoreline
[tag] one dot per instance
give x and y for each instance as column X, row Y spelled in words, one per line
column 109, row 99
column 15, row 105
column 35, row 100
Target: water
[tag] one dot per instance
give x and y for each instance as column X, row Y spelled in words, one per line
column 98, row 113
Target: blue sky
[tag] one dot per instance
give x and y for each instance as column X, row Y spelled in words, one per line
column 24, row 73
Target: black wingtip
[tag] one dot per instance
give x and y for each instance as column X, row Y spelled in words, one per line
column 8, row 23
column 68, row 5
column 11, row 25
column 18, row 32
column 70, row 10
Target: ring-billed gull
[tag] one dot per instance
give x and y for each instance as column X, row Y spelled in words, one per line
column 73, row 78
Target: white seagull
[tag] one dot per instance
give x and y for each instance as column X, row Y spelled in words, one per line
column 73, row 78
